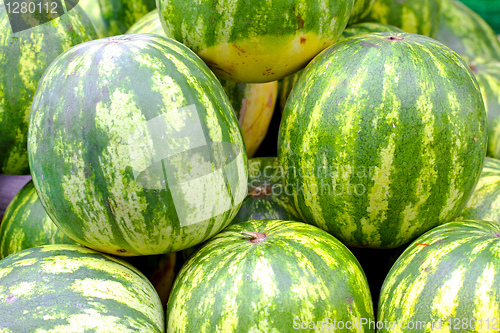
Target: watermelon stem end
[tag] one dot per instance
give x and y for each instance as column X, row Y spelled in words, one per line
column 255, row 237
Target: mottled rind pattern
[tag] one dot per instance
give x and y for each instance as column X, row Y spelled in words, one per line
column 118, row 112
column 26, row 224
column 257, row 41
column 484, row 204
column 449, row 276
column 466, row 33
column 298, row 272
column 382, row 138
column 24, row 57
column 69, row 288
column 360, row 9
column 418, row 17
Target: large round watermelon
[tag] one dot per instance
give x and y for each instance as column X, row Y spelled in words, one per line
column 466, row 33
column 270, row 276
column 382, row 138
column 26, row 224
column 134, row 147
column 69, row 288
column 24, row 56
column 255, row 41
column 445, row 281
column 115, row 17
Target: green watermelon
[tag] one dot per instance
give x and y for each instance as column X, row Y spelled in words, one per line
column 485, row 200
column 134, row 147
column 10, row 185
column 445, row 281
column 253, row 103
column 255, row 41
column 360, row 9
column 270, row 276
column 487, row 73
column 382, row 138
column 115, row 17
column 267, row 198
column 24, row 56
column 489, row 10
column 26, row 224
column 69, row 288
column 466, row 33
column 418, row 17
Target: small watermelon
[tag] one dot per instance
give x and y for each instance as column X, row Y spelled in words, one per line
column 270, row 276
column 26, row 224
column 445, row 281
column 70, row 288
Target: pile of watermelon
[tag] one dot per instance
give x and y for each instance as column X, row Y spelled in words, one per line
column 250, row 166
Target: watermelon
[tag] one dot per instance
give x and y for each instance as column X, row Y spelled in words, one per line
column 360, row 9
column 253, row 103
column 24, row 56
column 255, row 41
column 489, row 10
column 485, row 200
column 418, row 17
column 134, row 147
column 115, row 17
column 26, row 224
column 445, row 281
column 466, row 33
column 382, row 138
column 9, row 186
column 270, row 276
column 487, row 73
column 267, row 198
column 69, row 288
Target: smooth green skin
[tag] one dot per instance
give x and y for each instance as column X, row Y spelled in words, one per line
column 115, row 17
column 24, row 57
column 360, row 9
column 487, row 73
column 90, row 146
column 26, row 224
column 69, row 288
column 149, row 24
column 418, row 17
column 450, row 274
column 382, row 142
column 298, row 271
column 484, row 202
column 267, row 197
column 466, row 33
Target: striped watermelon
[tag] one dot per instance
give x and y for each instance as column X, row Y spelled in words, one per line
column 134, row 147
column 360, row 9
column 253, row 103
column 419, row 17
column 24, row 56
column 69, row 288
column 485, row 200
column 267, row 197
column 382, row 138
column 26, row 224
column 115, row 17
column 487, row 73
column 270, row 276
column 445, row 281
column 466, row 33
column 255, row 41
